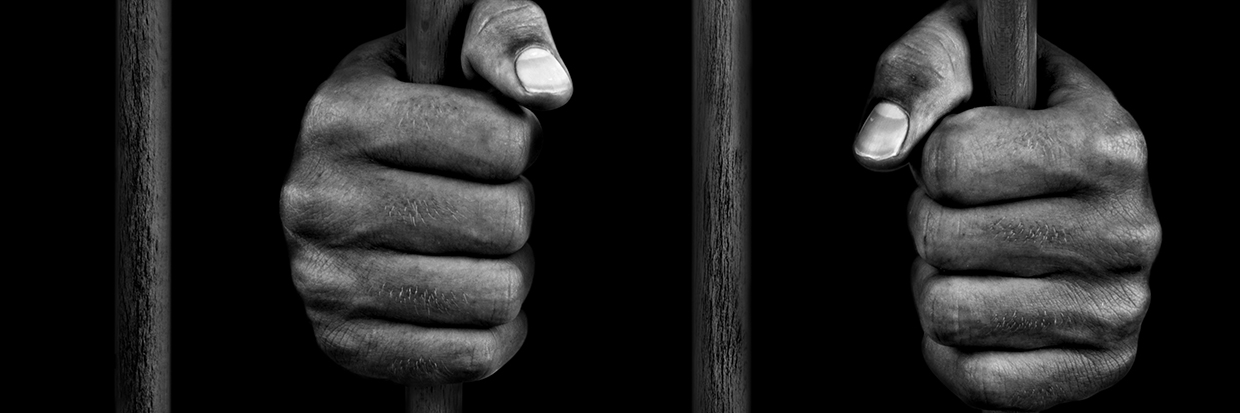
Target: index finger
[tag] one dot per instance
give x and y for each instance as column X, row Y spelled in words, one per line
column 365, row 112
column 1082, row 143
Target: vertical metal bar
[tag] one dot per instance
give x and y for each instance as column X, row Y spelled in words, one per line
column 446, row 398
column 428, row 30
column 721, row 162
column 1009, row 35
column 143, row 168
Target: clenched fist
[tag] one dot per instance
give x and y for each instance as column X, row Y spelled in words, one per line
column 405, row 210
column 1035, row 228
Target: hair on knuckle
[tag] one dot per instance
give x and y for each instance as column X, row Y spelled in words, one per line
column 416, row 369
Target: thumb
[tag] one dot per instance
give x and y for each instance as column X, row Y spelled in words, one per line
column 919, row 79
column 509, row 45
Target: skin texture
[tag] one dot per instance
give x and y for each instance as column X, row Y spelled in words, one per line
column 1035, row 229
column 405, row 210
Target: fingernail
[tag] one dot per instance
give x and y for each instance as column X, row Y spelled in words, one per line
column 883, row 132
column 540, row 72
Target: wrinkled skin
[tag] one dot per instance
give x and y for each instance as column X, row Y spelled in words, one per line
column 405, row 210
column 1035, row 229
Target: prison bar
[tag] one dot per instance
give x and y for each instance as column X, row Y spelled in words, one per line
column 721, row 219
column 1008, row 31
column 142, row 228
column 428, row 31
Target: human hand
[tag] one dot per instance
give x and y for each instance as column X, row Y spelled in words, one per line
column 405, row 210
column 1035, row 229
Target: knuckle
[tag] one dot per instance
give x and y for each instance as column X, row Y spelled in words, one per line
column 320, row 283
column 343, row 344
column 310, row 207
column 1100, row 371
column 985, row 382
column 1119, row 152
column 514, row 148
column 525, row 143
column 471, row 360
column 508, row 304
column 940, row 312
column 333, row 122
column 1134, row 244
column 1117, row 145
column 919, row 224
column 1116, row 365
column 1124, row 309
column 960, row 153
column 482, row 362
column 1144, row 240
column 941, row 169
column 296, row 204
column 931, row 235
column 326, row 111
column 512, row 219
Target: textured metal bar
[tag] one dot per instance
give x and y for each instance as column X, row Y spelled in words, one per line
column 143, row 139
column 721, row 162
column 1009, row 37
column 428, row 28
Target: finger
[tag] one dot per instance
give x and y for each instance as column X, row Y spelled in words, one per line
column 409, row 212
column 1033, row 237
column 508, row 44
column 1085, row 143
column 415, row 355
column 417, row 289
column 1026, row 380
column 1028, row 313
column 920, row 77
column 1070, row 80
column 364, row 111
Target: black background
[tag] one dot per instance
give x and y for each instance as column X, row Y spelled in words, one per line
column 833, row 320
